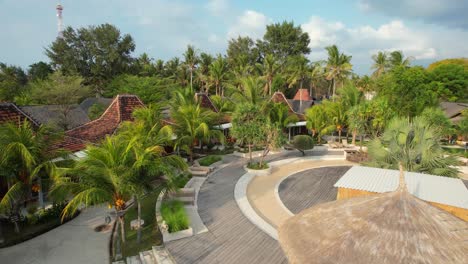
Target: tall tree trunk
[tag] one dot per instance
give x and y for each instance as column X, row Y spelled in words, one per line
column 360, row 143
column 265, row 152
column 191, row 76
column 122, row 227
column 269, row 86
column 353, row 142
column 334, row 89
column 339, row 136
column 250, row 153
column 139, row 219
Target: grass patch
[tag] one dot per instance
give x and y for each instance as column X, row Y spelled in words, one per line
column 173, row 212
column 457, row 152
column 208, row 160
column 150, row 235
column 182, row 179
column 257, row 166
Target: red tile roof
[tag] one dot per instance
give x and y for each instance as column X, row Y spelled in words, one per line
column 119, row 110
column 302, row 94
column 9, row 112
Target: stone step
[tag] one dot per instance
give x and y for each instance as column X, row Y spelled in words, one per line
column 186, row 200
column 162, row 256
column 134, row 260
column 147, row 257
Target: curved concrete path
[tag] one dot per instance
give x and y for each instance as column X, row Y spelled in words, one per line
column 73, row 242
column 231, row 237
column 262, row 192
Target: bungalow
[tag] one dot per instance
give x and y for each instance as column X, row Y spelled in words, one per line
column 446, row 193
column 297, row 106
column 453, row 110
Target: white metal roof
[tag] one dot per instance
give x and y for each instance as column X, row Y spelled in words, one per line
column 444, row 190
column 223, row 126
column 301, row 123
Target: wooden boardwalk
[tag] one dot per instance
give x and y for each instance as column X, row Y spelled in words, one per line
column 231, row 238
column 308, row 188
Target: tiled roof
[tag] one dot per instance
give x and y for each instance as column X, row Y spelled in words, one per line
column 53, row 115
column 294, row 108
column 300, row 106
column 119, row 110
column 205, row 101
column 443, row 190
column 9, row 112
column 302, row 94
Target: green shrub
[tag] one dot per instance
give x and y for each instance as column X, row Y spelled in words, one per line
column 257, row 166
column 173, row 212
column 182, row 179
column 303, row 143
column 210, row 159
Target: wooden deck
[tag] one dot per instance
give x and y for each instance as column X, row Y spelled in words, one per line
column 231, row 238
column 308, row 188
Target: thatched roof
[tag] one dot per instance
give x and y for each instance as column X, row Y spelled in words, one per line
column 392, row 227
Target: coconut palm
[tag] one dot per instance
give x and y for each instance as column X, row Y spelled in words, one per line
column 317, row 121
column 218, row 74
column 338, row 66
column 191, row 61
column 316, row 74
column 398, row 59
column 251, row 90
column 358, row 119
column 268, row 69
column 298, row 71
column 192, row 124
column 25, row 156
column 412, row 145
column 336, row 113
column 203, row 70
column 381, row 63
column 280, row 116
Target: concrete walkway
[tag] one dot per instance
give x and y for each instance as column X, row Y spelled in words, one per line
column 73, row 242
column 262, row 192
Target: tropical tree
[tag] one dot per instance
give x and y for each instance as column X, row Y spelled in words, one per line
column 358, row 120
column 338, row 66
column 204, row 70
column 398, row 59
column 218, row 74
column 25, row 157
column 436, row 118
column 192, row 124
column 381, row 63
column 251, row 90
column 191, row 61
column 317, row 121
column 336, row 113
column 280, row 116
column 298, row 71
column 268, row 69
column 316, row 75
column 411, row 145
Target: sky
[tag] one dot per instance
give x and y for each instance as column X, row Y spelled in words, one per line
column 427, row 30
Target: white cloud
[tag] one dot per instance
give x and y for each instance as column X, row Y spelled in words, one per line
column 250, row 23
column 217, row 7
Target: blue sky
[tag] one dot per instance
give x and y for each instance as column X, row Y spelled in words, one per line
column 428, row 30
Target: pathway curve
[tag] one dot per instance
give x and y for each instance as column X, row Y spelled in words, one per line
column 73, row 242
column 262, row 191
column 231, row 238
column 308, row 188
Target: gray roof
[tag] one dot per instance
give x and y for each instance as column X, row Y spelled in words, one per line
column 88, row 102
column 53, row 115
column 299, row 107
column 453, row 109
column 431, row 188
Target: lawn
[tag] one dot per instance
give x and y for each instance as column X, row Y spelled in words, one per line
column 150, row 235
column 210, row 159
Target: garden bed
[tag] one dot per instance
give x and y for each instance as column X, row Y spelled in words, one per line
column 259, row 171
column 210, row 159
column 150, row 234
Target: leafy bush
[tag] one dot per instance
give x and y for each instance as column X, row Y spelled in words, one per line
column 182, row 179
column 173, row 212
column 257, row 166
column 303, row 142
column 208, row 160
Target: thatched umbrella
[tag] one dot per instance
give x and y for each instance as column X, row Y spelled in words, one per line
column 393, row 227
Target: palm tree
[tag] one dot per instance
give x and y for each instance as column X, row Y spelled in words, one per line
column 100, row 177
column 315, row 75
column 268, row 69
column 203, row 70
column 381, row 63
column 398, row 59
column 218, row 74
column 336, row 113
column 25, row 156
column 251, row 90
column 350, row 97
column 192, row 124
column 338, row 66
column 299, row 68
column 358, row 118
column 412, row 145
column 191, row 61
column 317, row 121
column 280, row 116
